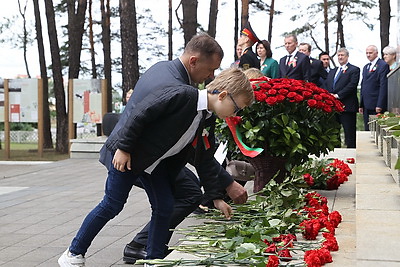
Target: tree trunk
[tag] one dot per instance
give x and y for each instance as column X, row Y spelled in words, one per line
column 76, row 21
column 245, row 12
column 106, row 41
column 236, row 35
column 62, row 144
column 326, row 29
column 189, row 24
column 170, row 30
column 47, row 140
column 22, row 11
column 384, row 19
column 129, row 45
column 340, row 24
column 212, row 20
column 271, row 19
column 92, row 53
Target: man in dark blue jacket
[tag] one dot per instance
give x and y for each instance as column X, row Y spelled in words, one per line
column 374, row 86
column 163, row 89
column 342, row 82
column 295, row 65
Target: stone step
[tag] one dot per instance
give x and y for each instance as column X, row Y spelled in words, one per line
column 86, row 148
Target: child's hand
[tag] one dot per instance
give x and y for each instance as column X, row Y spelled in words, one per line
column 224, row 208
column 121, row 159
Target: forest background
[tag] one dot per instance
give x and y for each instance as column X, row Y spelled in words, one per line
column 361, row 27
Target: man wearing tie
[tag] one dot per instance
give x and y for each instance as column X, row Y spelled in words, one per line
column 374, row 86
column 295, row 65
column 342, row 84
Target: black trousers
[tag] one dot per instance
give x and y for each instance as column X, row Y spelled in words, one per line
column 348, row 121
column 188, row 196
column 366, row 114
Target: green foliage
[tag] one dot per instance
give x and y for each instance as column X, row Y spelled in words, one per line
column 20, row 126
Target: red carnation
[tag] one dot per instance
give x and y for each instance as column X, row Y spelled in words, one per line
column 335, row 218
column 286, row 254
column 271, row 248
column 330, row 243
column 273, row 261
column 309, row 179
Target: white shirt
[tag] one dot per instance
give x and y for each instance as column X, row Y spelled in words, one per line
column 188, row 136
column 373, row 63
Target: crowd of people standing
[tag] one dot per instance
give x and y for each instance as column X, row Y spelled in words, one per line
column 342, row 81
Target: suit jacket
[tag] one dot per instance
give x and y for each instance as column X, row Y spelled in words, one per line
column 299, row 70
column 345, row 86
column 249, row 59
column 160, row 110
column 317, row 71
column 374, row 86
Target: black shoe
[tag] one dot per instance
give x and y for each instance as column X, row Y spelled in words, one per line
column 132, row 254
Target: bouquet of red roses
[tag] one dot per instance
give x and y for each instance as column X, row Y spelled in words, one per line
column 289, row 118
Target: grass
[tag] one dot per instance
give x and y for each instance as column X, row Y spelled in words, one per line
column 28, row 152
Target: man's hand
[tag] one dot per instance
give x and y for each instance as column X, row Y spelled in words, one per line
column 360, row 110
column 237, row 193
column 224, row 208
column 121, row 159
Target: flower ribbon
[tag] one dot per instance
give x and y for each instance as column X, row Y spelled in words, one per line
column 237, row 136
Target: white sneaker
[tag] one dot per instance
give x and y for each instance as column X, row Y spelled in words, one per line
column 69, row 260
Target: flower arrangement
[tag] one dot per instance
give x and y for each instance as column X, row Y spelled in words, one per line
column 289, row 118
column 283, row 225
column 327, row 174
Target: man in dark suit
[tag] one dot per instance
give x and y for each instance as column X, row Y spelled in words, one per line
column 153, row 156
column 374, row 86
column 317, row 70
column 342, row 83
column 246, row 41
column 325, row 59
column 295, row 65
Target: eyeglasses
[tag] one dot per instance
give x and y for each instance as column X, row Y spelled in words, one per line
column 237, row 109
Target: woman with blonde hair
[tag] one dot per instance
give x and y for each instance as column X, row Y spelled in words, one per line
column 389, row 55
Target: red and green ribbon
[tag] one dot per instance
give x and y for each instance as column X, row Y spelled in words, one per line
column 237, row 136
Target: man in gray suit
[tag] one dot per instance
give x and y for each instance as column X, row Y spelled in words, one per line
column 374, row 86
column 342, row 82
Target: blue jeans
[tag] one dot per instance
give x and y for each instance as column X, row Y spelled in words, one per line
column 158, row 187
column 118, row 186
